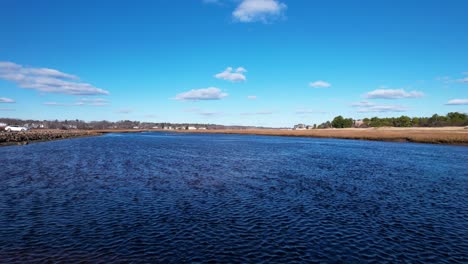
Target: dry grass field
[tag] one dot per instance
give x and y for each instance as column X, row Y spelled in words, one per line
column 444, row 135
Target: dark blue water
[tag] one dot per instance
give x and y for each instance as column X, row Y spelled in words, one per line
column 156, row 197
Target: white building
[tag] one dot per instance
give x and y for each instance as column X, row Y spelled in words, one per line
column 300, row 127
column 191, row 128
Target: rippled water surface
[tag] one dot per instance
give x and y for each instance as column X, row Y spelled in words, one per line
column 158, row 197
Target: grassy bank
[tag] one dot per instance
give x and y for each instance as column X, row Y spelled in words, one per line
column 23, row 138
column 445, row 135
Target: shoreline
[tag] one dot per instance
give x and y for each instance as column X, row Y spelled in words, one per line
column 36, row 136
column 444, row 135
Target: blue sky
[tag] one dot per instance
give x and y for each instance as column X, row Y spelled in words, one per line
column 246, row 62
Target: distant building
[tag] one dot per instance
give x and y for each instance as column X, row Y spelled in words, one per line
column 155, row 127
column 300, row 127
column 358, row 123
column 135, row 127
column 3, row 125
column 201, row 128
column 191, row 128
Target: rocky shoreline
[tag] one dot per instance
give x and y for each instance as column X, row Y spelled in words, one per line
column 24, row 138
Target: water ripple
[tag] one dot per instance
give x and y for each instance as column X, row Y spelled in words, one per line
column 161, row 197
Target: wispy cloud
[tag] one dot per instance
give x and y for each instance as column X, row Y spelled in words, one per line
column 259, row 11
column 211, row 1
column 232, row 75
column 362, row 104
column 319, row 84
column 458, row 102
column 252, row 97
column 211, row 93
column 7, row 109
column 308, row 112
column 463, row 80
column 201, row 112
column 367, row 107
column 82, row 102
column 124, row 111
column 6, row 100
column 46, row 80
column 257, row 113
column 392, row 94
column 208, row 113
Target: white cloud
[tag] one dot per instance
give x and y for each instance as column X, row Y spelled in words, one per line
column 458, row 102
column 241, row 69
column 392, row 94
column 82, row 102
column 230, row 75
column 46, row 80
column 211, row 93
column 6, row 100
column 319, row 84
column 252, row 97
column 463, row 80
column 258, row 10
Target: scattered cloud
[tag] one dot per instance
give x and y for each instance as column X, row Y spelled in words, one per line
column 82, row 102
column 6, row 100
column 258, row 113
column 319, row 84
column 46, row 80
column 259, row 11
column 211, row 93
column 458, row 102
column 234, row 76
column 463, row 80
column 252, row 97
column 7, row 109
column 392, row 94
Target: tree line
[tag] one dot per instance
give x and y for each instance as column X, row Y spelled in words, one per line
column 451, row 119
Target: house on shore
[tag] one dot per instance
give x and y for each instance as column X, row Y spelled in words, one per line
column 300, row 127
